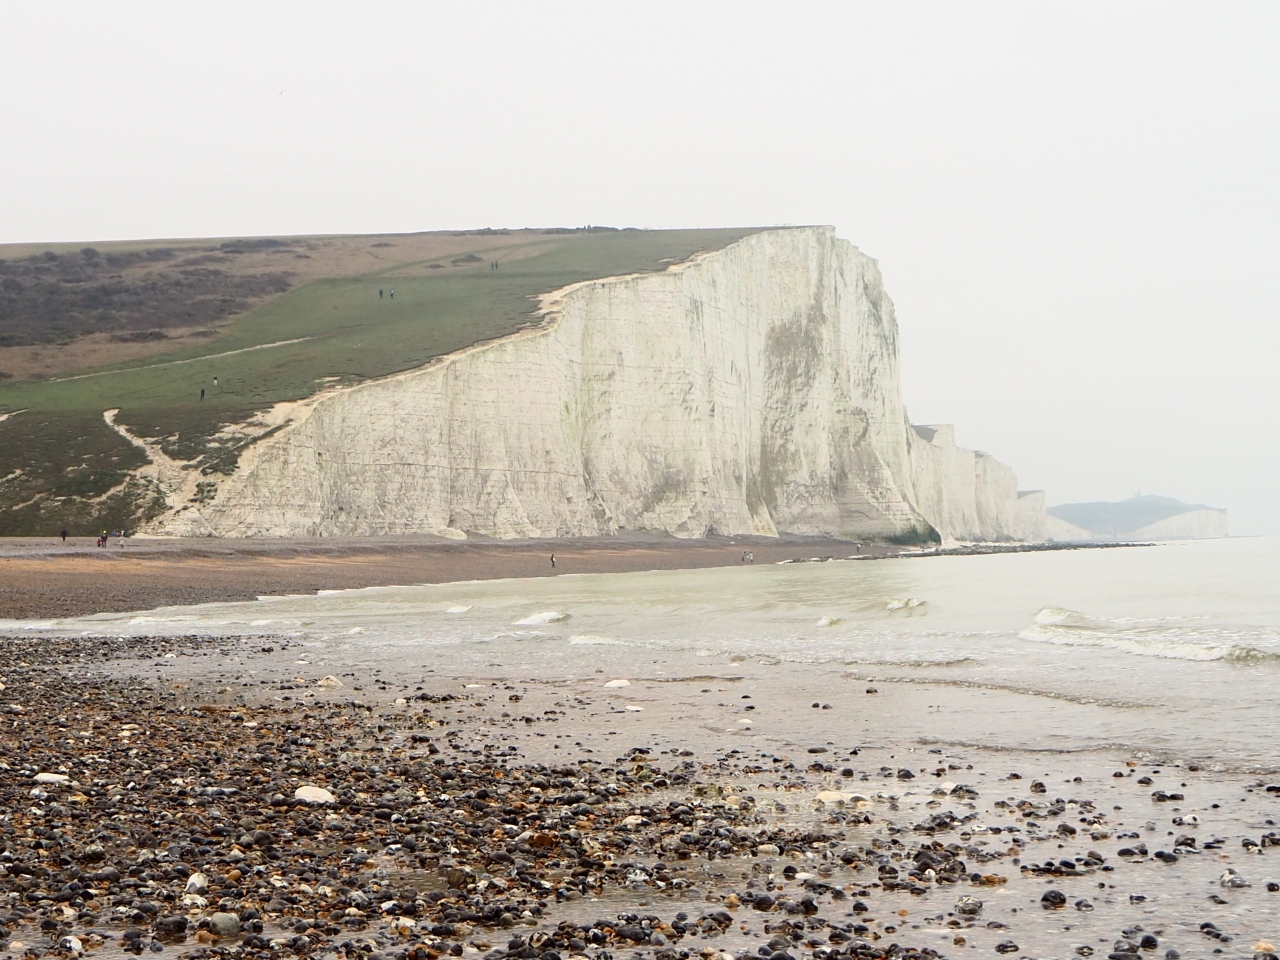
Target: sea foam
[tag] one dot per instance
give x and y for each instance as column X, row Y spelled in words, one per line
column 537, row 619
column 1165, row 639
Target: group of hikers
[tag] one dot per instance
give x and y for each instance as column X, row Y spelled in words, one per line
column 103, row 537
column 390, row 293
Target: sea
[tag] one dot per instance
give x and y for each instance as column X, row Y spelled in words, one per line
column 1169, row 652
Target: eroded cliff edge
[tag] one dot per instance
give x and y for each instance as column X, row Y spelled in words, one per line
column 753, row 389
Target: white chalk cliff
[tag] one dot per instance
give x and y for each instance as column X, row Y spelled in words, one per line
column 1206, row 523
column 752, row 389
column 1180, row 521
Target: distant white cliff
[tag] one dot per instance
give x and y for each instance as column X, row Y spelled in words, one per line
column 1138, row 518
column 753, row 389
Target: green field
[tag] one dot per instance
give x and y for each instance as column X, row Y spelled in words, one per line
column 61, row 466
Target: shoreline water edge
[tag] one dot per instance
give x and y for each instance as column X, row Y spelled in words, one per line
column 42, row 578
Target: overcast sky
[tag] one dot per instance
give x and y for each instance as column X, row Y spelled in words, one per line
column 1076, row 206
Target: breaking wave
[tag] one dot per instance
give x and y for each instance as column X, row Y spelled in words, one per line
column 1166, row 639
column 537, row 619
column 941, row 661
column 1020, row 689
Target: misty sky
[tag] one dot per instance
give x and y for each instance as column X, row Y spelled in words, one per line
column 1076, row 206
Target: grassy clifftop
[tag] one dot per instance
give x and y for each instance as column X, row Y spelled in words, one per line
column 145, row 327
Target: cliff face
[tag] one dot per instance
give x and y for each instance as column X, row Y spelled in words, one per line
column 1033, row 521
column 750, row 390
column 967, row 494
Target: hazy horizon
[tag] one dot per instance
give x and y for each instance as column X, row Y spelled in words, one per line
column 1074, row 207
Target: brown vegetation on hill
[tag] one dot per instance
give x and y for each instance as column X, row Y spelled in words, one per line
column 132, row 296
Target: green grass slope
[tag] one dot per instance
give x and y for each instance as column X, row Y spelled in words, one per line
column 61, row 466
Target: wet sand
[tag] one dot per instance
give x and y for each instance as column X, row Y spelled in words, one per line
column 42, row 579
column 725, row 816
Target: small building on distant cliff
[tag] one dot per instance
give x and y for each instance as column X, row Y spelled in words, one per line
column 1138, row 518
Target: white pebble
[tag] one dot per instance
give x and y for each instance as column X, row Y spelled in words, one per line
column 309, row 794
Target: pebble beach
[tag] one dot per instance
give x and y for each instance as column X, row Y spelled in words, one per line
column 221, row 797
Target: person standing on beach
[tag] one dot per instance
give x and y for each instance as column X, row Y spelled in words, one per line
column 553, row 561
column 64, row 536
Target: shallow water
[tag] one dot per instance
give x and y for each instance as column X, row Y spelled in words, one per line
column 1171, row 650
